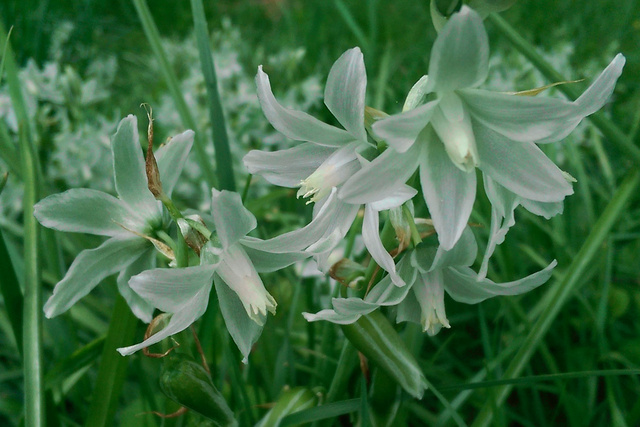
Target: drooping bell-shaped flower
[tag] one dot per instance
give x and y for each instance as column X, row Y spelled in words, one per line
column 129, row 220
column 429, row 273
column 465, row 127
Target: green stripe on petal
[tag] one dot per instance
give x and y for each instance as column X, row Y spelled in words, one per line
column 89, row 268
column 462, row 284
column 296, row 124
column 171, row 158
column 345, row 92
column 141, row 308
column 87, row 211
column 460, row 54
column 129, row 169
column 232, row 220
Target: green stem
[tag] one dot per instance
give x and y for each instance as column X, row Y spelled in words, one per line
column 608, row 128
column 113, row 367
column 151, row 31
column 560, row 294
column 415, row 235
column 224, row 163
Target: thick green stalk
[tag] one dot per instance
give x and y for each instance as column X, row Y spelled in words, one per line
column 224, row 164
column 151, row 31
column 32, row 309
column 560, row 294
column 608, row 128
column 113, row 367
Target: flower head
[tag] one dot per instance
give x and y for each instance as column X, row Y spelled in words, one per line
column 464, row 128
column 129, row 220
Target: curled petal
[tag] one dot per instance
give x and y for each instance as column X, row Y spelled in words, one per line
column 171, row 158
column 400, row 131
column 296, row 124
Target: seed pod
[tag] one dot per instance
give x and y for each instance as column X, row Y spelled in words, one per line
column 374, row 337
column 186, row 382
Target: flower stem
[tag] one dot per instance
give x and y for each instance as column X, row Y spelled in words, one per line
column 224, row 163
column 606, row 126
column 415, row 234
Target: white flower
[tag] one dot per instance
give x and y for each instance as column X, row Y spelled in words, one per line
column 128, row 221
column 328, row 158
column 428, row 273
column 464, row 128
column 230, row 262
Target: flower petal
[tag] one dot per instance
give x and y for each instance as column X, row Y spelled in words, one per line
column 232, row 220
column 89, row 268
column 129, row 169
column 287, row 168
column 296, row 124
column 331, row 316
column 448, row 191
column 540, row 119
column 181, row 320
column 141, row 308
column 171, row 158
column 371, row 237
column 345, row 91
column 462, row 254
column 82, row 210
column 373, row 182
column 244, row 331
column 460, row 54
column 267, row 262
column 395, row 198
column 429, row 293
column 520, row 167
column 462, row 284
column 386, row 293
column 236, row 270
column 172, row 289
column 400, row 131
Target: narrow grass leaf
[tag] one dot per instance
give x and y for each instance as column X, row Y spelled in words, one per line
column 323, row 412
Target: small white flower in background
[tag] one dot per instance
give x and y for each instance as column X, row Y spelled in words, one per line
column 428, row 273
column 329, row 158
column 464, row 128
column 229, row 261
column 129, row 220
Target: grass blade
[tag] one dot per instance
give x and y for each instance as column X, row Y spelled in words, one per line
column 113, row 367
column 608, row 128
column 224, row 165
column 151, row 31
column 323, row 412
column 11, row 293
column 560, row 294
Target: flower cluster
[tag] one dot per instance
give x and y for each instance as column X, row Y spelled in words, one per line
column 448, row 128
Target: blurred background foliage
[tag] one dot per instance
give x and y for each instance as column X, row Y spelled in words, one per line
column 87, row 63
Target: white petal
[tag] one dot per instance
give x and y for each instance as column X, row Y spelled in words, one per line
column 331, row 316
column 296, row 124
column 400, row 131
column 287, row 168
column 520, row 167
column 266, row 262
column 82, row 210
column 373, row 182
column 181, row 320
column 429, row 293
column 238, row 273
column 345, row 91
column 371, row 237
column 351, row 306
column 396, row 197
column 141, row 308
column 462, row 284
column 244, row 331
column 540, row 119
column 460, row 54
column 89, row 268
column 462, row 254
column 129, row 169
column 448, row 191
column 385, row 293
column 171, row 158
column 232, row 220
